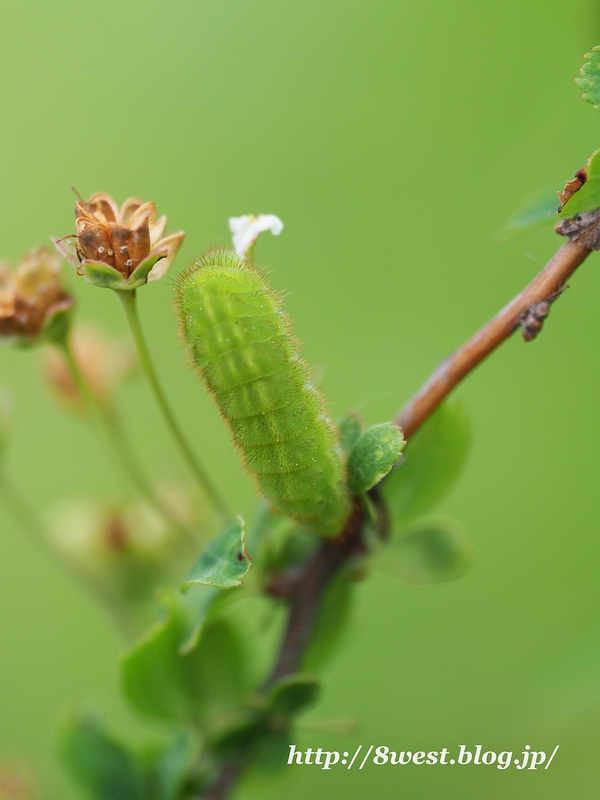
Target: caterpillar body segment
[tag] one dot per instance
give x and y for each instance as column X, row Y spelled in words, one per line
column 239, row 338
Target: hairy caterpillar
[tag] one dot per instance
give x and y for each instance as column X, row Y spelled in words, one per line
column 240, row 340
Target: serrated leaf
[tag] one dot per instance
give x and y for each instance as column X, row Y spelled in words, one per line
column 431, row 464
column 350, row 428
column 164, row 684
column 224, row 561
column 587, row 197
column 589, row 82
column 432, row 551
column 373, row 456
column 293, row 694
column 103, row 768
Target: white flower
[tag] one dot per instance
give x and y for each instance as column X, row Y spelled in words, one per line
column 246, row 230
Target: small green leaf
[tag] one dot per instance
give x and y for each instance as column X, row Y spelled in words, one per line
column 432, row 551
column 374, row 454
column 58, row 323
column 173, row 764
column 431, row 464
column 589, row 82
column 154, row 674
column 350, row 428
column 104, row 768
column 161, row 682
column 103, row 275
column 224, row 561
column 236, row 733
column 293, row 694
column 139, row 276
column 588, row 197
column 199, row 602
column 106, row 277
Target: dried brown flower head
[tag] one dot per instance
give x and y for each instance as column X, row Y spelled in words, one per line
column 32, row 297
column 119, row 248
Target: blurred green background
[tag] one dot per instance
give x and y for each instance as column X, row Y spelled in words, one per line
column 394, row 139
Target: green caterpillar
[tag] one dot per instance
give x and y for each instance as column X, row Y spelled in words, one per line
column 240, row 340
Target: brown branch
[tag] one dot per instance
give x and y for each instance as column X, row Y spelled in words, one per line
column 304, row 588
column 225, row 780
column 307, row 591
column 544, row 288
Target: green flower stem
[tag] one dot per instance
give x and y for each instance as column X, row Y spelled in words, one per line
column 23, row 512
column 110, row 423
column 128, row 301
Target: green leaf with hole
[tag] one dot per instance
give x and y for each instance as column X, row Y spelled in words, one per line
column 373, row 455
column 104, row 768
column 587, row 198
column 431, row 464
column 224, row 561
column 431, row 551
column 589, row 80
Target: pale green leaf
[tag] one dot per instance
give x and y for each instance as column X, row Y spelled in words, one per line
column 350, row 428
column 432, row 462
column 373, row 455
column 539, row 211
column 161, row 682
column 431, row 551
column 224, row 561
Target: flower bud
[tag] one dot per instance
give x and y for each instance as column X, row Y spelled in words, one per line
column 119, row 248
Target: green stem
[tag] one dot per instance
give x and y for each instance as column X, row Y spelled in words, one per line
column 128, row 301
column 24, row 514
column 116, row 437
